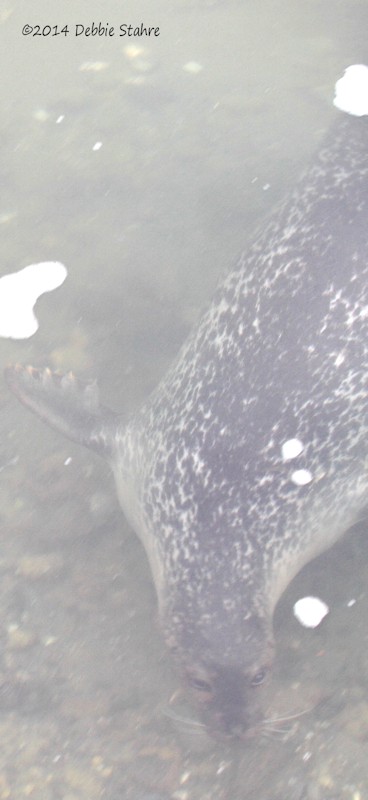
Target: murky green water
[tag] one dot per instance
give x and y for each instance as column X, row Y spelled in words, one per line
column 202, row 130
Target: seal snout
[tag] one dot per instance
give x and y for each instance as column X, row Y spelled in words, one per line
column 227, row 700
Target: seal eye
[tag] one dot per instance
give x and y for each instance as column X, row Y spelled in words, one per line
column 199, row 684
column 259, row 677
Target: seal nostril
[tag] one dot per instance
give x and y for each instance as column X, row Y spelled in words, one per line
column 238, row 731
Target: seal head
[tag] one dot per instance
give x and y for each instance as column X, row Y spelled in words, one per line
column 222, row 669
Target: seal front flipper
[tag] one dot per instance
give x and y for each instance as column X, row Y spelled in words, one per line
column 65, row 404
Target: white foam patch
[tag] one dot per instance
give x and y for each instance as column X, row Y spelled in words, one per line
column 291, row 449
column 19, row 293
column 351, row 91
column 301, row 477
column 310, row 611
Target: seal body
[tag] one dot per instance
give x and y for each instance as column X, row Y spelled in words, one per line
column 250, row 457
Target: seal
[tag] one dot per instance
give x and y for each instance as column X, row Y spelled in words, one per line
column 250, row 457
